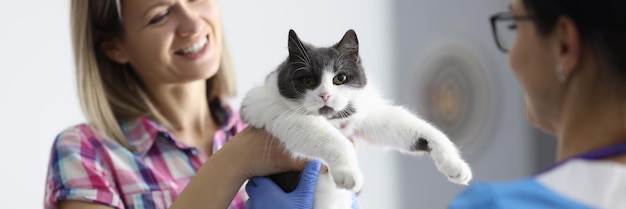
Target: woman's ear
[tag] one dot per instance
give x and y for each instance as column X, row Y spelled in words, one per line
column 114, row 51
column 569, row 44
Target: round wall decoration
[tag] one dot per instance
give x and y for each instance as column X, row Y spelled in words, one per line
column 454, row 90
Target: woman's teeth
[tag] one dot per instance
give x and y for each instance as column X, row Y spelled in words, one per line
column 194, row 48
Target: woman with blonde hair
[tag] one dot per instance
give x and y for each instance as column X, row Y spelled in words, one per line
column 153, row 77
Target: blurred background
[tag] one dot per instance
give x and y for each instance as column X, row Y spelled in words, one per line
column 436, row 57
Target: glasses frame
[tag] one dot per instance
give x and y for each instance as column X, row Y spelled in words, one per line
column 505, row 16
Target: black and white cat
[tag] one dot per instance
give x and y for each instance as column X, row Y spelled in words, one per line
column 318, row 100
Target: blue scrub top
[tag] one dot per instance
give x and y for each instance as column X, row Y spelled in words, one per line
column 577, row 183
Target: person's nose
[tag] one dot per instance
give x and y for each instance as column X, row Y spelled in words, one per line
column 191, row 22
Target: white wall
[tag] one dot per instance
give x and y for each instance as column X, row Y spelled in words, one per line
column 38, row 95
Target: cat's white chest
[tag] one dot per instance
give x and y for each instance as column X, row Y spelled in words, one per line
column 345, row 126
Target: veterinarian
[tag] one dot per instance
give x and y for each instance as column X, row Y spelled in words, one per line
column 570, row 58
column 153, row 78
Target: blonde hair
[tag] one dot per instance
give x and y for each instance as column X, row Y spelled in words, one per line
column 111, row 93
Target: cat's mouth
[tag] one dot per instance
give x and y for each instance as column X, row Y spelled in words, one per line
column 326, row 111
column 330, row 113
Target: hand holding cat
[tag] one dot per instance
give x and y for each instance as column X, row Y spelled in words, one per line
column 256, row 153
column 264, row 193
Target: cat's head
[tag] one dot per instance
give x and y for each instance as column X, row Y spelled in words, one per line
column 322, row 80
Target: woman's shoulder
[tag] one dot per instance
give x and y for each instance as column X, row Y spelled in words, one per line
column 77, row 138
column 601, row 184
column 76, row 170
column 576, row 183
column 526, row 193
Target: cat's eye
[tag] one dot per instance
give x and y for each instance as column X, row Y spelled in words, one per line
column 340, row 79
column 308, row 81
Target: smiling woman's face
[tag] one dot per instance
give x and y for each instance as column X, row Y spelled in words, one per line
column 169, row 41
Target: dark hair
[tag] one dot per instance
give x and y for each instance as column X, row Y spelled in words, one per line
column 105, row 20
column 601, row 25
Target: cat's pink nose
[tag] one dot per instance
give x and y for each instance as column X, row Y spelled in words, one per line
column 325, row 96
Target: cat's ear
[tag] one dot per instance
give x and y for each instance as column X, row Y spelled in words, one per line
column 297, row 51
column 349, row 43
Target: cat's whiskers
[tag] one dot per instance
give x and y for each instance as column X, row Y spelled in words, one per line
column 268, row 146
column 267, row 149
column 311, row 106
column 296, row 112
column 343, row 113
column 291, row 111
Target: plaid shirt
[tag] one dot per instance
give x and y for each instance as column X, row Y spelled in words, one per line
column 84, row 166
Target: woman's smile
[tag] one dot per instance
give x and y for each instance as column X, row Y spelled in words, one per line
column 196, row 50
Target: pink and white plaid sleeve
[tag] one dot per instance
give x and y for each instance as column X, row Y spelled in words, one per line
column 76, row 172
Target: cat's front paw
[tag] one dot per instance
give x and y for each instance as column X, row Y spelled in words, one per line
column 347, row 178
column 457, row 171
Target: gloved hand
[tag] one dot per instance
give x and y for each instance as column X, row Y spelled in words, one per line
column 265, row 194
column 355, row 202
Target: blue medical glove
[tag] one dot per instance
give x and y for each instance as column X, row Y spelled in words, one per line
column 355, row 202
column 265, row 194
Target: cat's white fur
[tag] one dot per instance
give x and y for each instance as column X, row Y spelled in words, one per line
column 307, row 134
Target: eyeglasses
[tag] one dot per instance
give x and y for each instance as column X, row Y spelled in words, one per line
column 504, row 28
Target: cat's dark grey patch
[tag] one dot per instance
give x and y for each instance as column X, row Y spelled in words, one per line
column 308, row 61
column 345, row 113
column 326, row 111
column 421, row 145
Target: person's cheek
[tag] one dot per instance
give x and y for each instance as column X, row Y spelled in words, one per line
column 515, row 59
column 520, row 59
